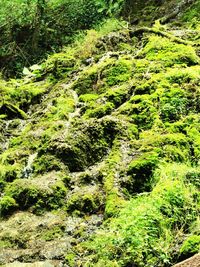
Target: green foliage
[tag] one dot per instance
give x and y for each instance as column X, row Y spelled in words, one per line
column 29, row 29
column 190, row 16
column 143, row 234
column 193, row 176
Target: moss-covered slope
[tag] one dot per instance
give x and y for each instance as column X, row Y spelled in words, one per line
column 100, row 152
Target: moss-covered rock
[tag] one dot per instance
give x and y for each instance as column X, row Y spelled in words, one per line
column 141, row 173
column 39, row 194
column 87, row 200
column 7, row 205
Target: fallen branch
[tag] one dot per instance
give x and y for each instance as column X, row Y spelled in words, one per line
column 142, row 30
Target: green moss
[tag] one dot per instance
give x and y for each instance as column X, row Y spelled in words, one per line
column 109, row 151
column 190, row 246
column 54, row 233
column 114, row 203
column 141, row 171
column 99, row 106
column 57, row 198
column 70, row 259
column 9, row 172
column 86, row 144
column 141, row 109
column 191, row 15
column 88, row 200
column 47, row 163
column 87, row 98
column 118, row 95
column 60, row 109
column 173, row 104
column 120, row 72
column 58, row 64
column 114, row 200
column 193, row 176
column 143, row 231
column 99, row 112
column 24, row 193
column 14, row 239
column 7, row 205
column 183, row 75
column 172, row 147
column 168, row 52
column 35, row 195
column 194, row 137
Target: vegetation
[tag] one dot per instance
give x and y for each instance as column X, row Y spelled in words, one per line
column 30, row 29
column 100, row 141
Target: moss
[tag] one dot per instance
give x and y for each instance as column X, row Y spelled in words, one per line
column 173, row 105
column 60, row 109
column 193, row 176
column 9, row 172
column 24, row 193
column 108, row 152
column 54, row 233
column 7, row 205
column 87, row 143
column 118, row 95
column 120, row 72
column 191, row 15
column 143, row 232
column 14, row 239
column 141, row 171
column 168, row 52
column 99, row 106
column 171, row 146
column 183, row 75
column 26, row 94
column 48, row 163
column 70, row 259
column 88, row 200
column 87, row 98
column 173, row 153
column 101, row 111
column 58, row 65
column 30, row 194
column 194, row 138
column 114, row 200
column 141, row 109
column 114, row 203
column 57, row 199
column 190, row 247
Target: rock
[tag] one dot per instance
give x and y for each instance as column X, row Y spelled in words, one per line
column 34, row 264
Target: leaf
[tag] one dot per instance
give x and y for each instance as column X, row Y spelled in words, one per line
column 35, row 67
column 26, row 71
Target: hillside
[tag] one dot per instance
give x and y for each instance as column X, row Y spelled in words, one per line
column 100, row 146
